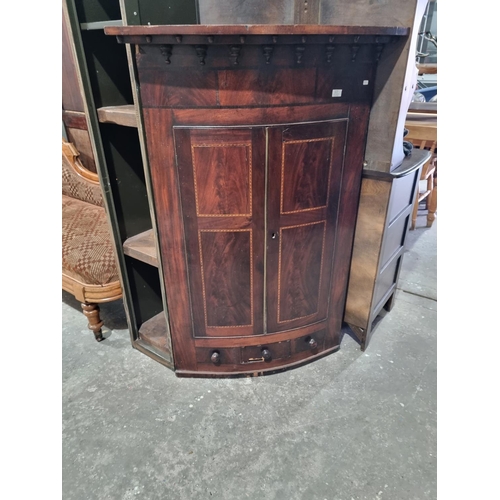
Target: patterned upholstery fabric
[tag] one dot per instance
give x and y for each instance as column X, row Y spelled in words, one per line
column 76, row 187
column 87, row 255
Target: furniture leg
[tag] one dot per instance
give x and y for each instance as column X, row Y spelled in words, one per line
column 430, row 188
column 95, row 323
column 431, row 213
column 415, row 210
column 361, row 334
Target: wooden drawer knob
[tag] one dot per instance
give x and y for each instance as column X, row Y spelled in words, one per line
column 215, row 357
column 312, row 343
column 266, row 354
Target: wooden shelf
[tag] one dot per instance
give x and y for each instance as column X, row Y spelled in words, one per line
column 142, row 247
column 99, row 25
column 153, row 332
column 119, row 115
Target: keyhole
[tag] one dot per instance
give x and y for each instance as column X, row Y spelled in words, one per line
column 273, row 236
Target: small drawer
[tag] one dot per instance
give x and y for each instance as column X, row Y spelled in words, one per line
column 215, row 356
column 394, row 238
column 265, row 352
column 313, row 343
column 386, row 280
column 401, row 195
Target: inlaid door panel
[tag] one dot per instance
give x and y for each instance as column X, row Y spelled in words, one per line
column 300, row 269
column 220, row 170
column 226, row 267
column 305, row 172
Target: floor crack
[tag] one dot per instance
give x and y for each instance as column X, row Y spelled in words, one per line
column 418, row 294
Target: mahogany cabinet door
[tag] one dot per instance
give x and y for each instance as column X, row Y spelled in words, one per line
column 221, row 173
column 306, row 162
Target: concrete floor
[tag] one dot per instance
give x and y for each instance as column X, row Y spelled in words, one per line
column 350, row 426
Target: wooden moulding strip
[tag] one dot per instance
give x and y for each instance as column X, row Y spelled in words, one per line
column 256, row 29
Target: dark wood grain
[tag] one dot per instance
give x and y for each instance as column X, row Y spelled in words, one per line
column 308, row 168
column 177, row 87
column 222, row 175
column 158, row 125
column 300, row 270
column 255, row 29
column 75, row 119
column 285, row 86
column 220, row 171
column 257, row 368
column 300, row 256
column 256, row 169
column 226, row 260
column 348, row 208
column 265, row 116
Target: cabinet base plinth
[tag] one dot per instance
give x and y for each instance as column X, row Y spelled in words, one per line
column 363, row 334
column 257, row 371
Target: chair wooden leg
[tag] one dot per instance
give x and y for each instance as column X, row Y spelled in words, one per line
column 415, row 210
column 95, row 323
column 432, row 207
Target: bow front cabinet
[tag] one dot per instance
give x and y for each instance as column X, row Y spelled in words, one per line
column 255, row 139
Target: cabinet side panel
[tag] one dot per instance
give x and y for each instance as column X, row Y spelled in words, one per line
column 367, row 244
column 348, row 208
column 158, row 128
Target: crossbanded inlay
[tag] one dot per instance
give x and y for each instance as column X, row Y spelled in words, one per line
column 300, row 269
column 226, row 259
column 308, row 165
column 222, row 179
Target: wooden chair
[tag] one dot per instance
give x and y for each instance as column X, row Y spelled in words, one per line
column 89, row 270
column 424, row 136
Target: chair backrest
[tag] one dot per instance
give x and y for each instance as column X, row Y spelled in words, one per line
column 77, row 181
column 422, row 136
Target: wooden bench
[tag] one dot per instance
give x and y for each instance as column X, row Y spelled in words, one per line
column 89, row 269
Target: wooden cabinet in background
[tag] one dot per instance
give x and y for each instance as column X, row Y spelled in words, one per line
column 255, row 138
column 384, row 218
